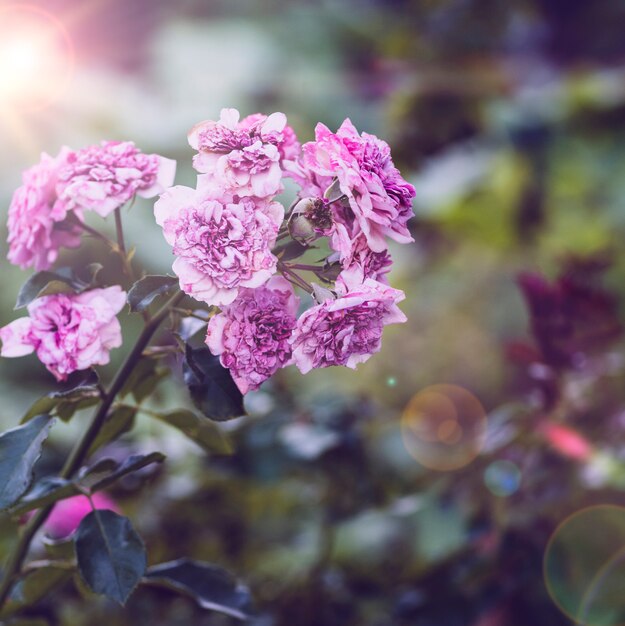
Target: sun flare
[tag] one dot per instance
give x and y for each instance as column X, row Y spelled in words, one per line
column 36, row 58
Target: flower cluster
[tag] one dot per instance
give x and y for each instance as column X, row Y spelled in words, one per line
column 68, row 332
column 224, row 233
column 47, row 211
column 235, row 246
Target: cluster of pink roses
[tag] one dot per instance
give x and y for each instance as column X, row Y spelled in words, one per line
column 70, row 332
column 224, row 233
column 46, row 212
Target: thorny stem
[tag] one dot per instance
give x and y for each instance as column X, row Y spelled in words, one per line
column 81, row 450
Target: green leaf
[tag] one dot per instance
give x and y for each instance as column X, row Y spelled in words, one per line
column 35, row 585
column 80, row 392
column 205, row 433
column 119, row 421
column 211, row 386
column 145, row 290
column 111, row 556
column 210, row 586
column 44, row 492
column 131, row 464
column 43, row 283
column 144, row 379
column 20, row 449
column 61, row 280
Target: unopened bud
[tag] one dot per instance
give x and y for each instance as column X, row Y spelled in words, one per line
column 301, row 228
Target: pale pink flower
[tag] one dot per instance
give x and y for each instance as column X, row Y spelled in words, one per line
column 68, row 332
column 252, row 334
column 104, row 177
column 220, row 246
column 377, row 198
column 346, row 330
column 37, row 222
column 67, row 514
column 243, row 158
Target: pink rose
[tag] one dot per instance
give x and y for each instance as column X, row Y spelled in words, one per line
column 346, row 330
column 36, row 224
column 252, row 334
column 220, row 247
column 67, row 514
column 68, row 332
column 104, row 177
column 243, row 158
column 379, row 200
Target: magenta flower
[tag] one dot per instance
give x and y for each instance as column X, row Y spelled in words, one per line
column 68, row 332
column 67, row 514
column 379, row 198
column 37, row 222
column 360, row 262
column 252, row 334
column 104, row 177
column 219, row 247
column 243, row 158
column 346, row 330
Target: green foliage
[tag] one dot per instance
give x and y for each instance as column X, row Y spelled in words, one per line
column 20, row 449
column 61, row 280
column 212, row 389
column 200, row 430
column 211, row 587
column 110, row 554
column 147, row 289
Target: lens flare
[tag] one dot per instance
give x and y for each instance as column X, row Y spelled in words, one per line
column 443, row 427
column 36, row 57
column 584, row 566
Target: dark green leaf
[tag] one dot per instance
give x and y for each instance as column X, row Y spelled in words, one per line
column 45, row 491
column 35, row 585
column 204, row 432
column 19, row 450
column 131, row 464
column 145, row 290
column 210, row 586
column 211, row 386
column 119, row 421
column 111, row 556
column 80, row 392
column 40, row 284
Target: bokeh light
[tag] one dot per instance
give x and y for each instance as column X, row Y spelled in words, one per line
column 584, row 566
column 443, row 427
column 36, row 57
column 502, row 478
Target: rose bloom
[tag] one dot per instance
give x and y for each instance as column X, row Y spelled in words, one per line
column 37, row 221
column 219, row 247
column 346, row 330
column 68, row 332
column 104, row 177
column 379, row 200
column 361, row 262
column 252, row 334
column 67, row 514
column 243, row 158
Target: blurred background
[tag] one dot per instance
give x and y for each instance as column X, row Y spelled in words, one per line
column 472, row 473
